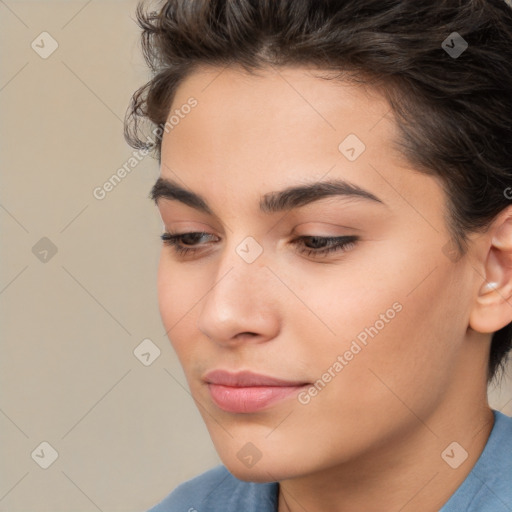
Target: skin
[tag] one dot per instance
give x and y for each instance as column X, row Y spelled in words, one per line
column 372, row 438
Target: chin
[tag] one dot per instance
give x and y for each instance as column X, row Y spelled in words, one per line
column 262, row 472
column 254, row 474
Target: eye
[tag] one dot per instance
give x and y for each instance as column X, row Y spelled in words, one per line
column 311, row 245
column 324, row 245
column 190, row 239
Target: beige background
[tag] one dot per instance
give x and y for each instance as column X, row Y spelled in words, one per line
column 125, row 433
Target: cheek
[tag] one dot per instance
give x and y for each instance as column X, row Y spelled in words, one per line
column 403, row 366
column 166, row 290
column 402, row 320
column 178, row 294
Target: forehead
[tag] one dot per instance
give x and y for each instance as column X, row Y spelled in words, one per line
column 275, row 99
column 253, row 133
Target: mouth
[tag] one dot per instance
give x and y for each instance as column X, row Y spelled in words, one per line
column 247, row 392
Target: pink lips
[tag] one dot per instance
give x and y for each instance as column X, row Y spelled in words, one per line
column 246, row 392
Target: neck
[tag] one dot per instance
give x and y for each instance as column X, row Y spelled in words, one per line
column 407, row 473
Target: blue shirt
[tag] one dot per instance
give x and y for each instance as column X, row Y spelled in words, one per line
column 487, row 488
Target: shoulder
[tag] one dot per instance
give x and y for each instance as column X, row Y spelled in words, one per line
column 494, row 473
column 488, row 487
column 218, row 490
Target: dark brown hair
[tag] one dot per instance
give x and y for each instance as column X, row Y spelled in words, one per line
column 454, row 112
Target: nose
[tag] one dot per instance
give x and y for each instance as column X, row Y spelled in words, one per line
column 242, row 305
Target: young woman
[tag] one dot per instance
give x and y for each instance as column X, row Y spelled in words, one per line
column 336, row 272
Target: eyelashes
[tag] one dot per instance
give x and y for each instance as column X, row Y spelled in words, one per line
column 174, row 240
column 328, row 245
column 186, row 244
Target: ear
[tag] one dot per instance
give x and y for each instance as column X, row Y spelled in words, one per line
column 492, row 309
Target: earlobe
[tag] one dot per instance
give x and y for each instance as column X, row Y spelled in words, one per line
column 492, row 308
column 489, row 287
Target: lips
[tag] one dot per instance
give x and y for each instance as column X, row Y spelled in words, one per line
column 247, row 392
column 246, row 379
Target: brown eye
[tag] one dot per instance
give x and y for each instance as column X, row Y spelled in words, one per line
column 321, row 246
column 183, row 243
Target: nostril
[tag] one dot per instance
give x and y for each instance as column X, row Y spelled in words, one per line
column 246, row 334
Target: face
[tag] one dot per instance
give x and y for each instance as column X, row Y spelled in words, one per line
column 343, row 293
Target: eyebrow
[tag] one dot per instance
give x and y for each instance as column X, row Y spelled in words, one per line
column 271, row 202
